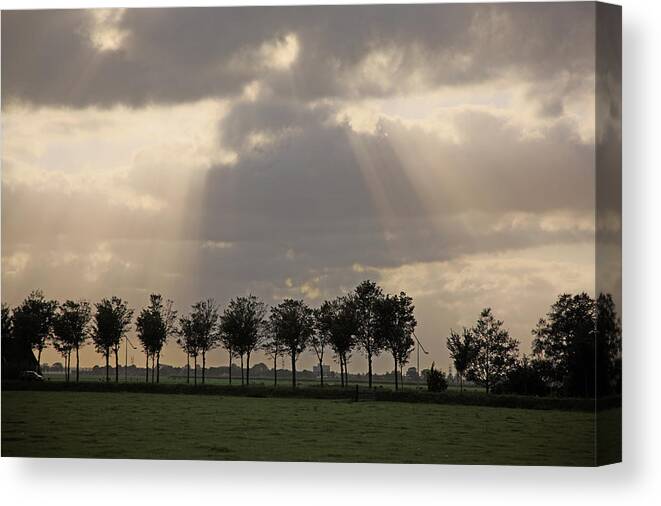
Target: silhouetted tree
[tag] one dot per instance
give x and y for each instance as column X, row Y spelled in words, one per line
column 242, row 327
column 7, row 322
column 462, row 350
column 187, row 342
column 579, row 341
column 33, row 321
column 204, row 317
column 273, row 350
column 395, row 323
column 609, row 346
column 496, row 352
column 112, row 320
column 154, row 325
column 72, row 326
column 321, row 337
column 338, row 318
column 366, row 296
column 292, row 325
column 525, row 378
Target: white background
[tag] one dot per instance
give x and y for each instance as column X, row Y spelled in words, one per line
column 636, row 481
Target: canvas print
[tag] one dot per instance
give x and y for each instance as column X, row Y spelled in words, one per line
column 368, row 233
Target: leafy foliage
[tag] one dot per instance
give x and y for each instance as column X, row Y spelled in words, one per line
column 33, row 321
column 436, row 381
column 395, row 324
column 242, row 327
column 366, row 297
column 463, row 349
column 579, row 341
column 338, row 319
column 495, row 352
column 292, row 325
column 112, row 321
column 72, row 327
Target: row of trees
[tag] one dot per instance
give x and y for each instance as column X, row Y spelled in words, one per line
column 576, row 351
column 365, row 320
column 576, row 346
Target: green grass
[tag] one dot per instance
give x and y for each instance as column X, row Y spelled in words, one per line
column 135, row 425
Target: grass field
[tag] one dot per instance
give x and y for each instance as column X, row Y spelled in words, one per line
column 128, row 425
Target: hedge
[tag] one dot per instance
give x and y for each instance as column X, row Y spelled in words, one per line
column 351, row 393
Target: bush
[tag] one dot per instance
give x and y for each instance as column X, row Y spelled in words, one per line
column 526, row 378
column 436, row 381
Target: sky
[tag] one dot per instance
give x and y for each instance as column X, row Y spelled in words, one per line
column 444, row 150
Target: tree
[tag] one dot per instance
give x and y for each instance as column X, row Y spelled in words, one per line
column 33, row 321
column 436, row 380
column 579, row 341
column 292, row 325
column 72, row 326
column 395, row 323
column 496, row 352
column 462, row 350
column 7, row 322
column 64, row 348
column 186, row 340
column 322, row 336
column 273, row 350
column 242, row 327
column 154, row 325
column 366, row 296
column 339, row 320
column 204, row 320
column 609, row 346
column 525, row 378
column 112, row 320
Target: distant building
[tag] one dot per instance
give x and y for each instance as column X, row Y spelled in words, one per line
column 316, row 371
column 412, row 374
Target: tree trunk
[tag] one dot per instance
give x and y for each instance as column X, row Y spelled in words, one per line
column 461, row 383
column 67, row 363
column 396, row 386
column 204, row 364
column 321, row 371
column 195, row 370
column 293, row 369
column 77, row 365
column 242, row 380
column 369, row 368
column 108, row 365
column 158, row 367
column 39, row 348
column 146, row 367
column 248, row 368
column 230, row 364
column 343, row 371
column 117, row 365
column 153, row 369
column 188, row 368
column 275, row 370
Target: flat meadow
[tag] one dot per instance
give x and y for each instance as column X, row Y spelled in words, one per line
column 173, row 426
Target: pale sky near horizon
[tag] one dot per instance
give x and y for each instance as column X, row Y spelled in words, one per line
column 443, row 150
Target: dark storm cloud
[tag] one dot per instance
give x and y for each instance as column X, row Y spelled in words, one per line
column 175, row 55
column 337, row 197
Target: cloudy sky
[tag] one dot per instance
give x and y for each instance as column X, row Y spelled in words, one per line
column 447, row 151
